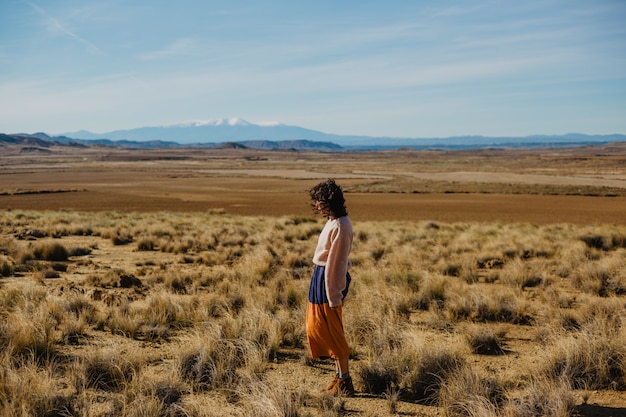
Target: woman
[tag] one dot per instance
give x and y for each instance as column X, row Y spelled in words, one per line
column 329, row 284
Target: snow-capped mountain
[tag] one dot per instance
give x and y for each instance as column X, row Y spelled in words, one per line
column 211, row 131
column 235, row 121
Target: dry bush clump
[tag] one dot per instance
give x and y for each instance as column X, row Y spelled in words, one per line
column 485, row 340
column 603, row 277
column 106, row 370
column 212, row 362
column 52, row 251
column 542, row 396
column 593, row 356
column 265, row 400
column 468, row 394
column 202, row 313
column 29, row 389
column 412, row 368
column 7, row 267
column 30, row 327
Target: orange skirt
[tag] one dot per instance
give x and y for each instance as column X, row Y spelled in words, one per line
column 324, row 330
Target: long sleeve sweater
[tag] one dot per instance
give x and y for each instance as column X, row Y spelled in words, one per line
column 332, row 252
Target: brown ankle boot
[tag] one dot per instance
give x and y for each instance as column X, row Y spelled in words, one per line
column 343, row 387
column 330, row 386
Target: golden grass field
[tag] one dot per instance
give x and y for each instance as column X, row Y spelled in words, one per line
column 174, row 282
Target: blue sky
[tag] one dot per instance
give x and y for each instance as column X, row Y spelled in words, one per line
column 393, row 68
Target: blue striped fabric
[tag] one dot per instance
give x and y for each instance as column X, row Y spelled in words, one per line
column 317, row 290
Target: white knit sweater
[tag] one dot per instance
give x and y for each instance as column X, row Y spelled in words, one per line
column 332, row 252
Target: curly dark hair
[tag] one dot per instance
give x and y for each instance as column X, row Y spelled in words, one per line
column 327, row 199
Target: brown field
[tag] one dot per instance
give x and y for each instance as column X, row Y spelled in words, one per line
column 577, row 185
column 173, row 283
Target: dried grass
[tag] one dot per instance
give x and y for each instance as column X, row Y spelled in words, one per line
column 223, row 303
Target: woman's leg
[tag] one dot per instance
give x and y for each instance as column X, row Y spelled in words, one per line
column 343, row 365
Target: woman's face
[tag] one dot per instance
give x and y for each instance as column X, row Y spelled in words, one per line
column 321, row 208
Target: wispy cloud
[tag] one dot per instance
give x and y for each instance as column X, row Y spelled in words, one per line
column 455, row 11
column 55, row 26
column 179, row 47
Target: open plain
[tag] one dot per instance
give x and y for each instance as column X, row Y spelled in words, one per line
column 173, row 282
column 575, row 185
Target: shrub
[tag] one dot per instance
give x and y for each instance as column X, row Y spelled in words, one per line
column 594, row 242
column 593, row 361
column 146, row 406
column 603, row 277
column 417, row 370
column 146, row 245
column 32, row 334
column 30, row 390
column 81, row 306
column 453, row 270
column 542, row 397
column 262, row 399
column 495, row 305
column 213, row 364
column 618, row 241
column 237, row 303
column 380, row 374
column 523, row 274
column 167, row 310
column 485, row 341
column 80, row 251
column 119, row 240
column 426, row 373
column 178, row 284
column 124, row 322
column 468, row 394
column 377, row 253
column 374, row 332
column 6, row 267
column 107, row 371
column 432, row 292
column 54, row 252
column 51, row 273
column 73, row 331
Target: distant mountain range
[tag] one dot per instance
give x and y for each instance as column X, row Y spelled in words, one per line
column 42, row 142
column 239, row 133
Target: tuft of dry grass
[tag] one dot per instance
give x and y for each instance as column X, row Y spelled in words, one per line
column 603, row 277
column 32, row 333
column 211, row 362
column 7, row 267
column 28, row 389
column 263, row 399
column 107, row 370
column 51, row 252
column 593, row 359
column 380, row 375
column 541, row 397
column 412, row 369
column 467, row 394
column 486, row 340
